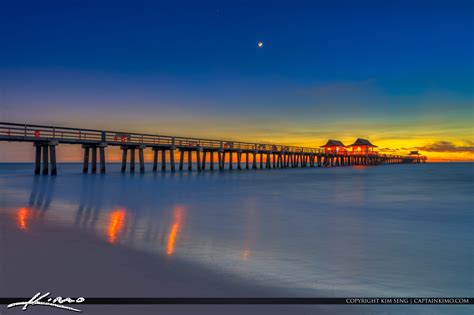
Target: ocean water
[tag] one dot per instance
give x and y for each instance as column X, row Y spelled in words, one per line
column 394, row 230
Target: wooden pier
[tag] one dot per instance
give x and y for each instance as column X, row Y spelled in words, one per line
column 200, row 153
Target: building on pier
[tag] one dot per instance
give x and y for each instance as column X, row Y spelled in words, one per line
column 416, row 157
column 363, row 146
column 334, row 146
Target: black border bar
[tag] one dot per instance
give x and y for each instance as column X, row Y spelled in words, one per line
column 264, row 300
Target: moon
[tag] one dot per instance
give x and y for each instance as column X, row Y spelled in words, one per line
column 260, row 44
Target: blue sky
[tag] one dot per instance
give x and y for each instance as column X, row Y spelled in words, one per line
column 327, row 69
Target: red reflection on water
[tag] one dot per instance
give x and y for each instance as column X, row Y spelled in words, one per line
column 175, row 229
column 116, row 222
column 251, row 228
column 22, row 216
column 359, row 167
column 245, row 254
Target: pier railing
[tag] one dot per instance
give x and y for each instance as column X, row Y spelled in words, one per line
column 29, row 132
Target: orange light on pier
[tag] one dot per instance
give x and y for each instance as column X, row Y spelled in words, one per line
column 363, row 146
column 117, row 219
column 334, row 146
column 175, row 228
column 22, row 216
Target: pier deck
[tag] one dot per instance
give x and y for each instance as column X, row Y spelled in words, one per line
column 246, row 155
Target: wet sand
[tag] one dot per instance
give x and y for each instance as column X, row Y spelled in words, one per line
column 52, row 260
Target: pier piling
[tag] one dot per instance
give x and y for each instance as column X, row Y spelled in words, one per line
column 190, row 161
column 211, row 165
column 124, row 160
column 94, row 160
column 181, row 160
column 221, row 160
column 45, row 160
column 52, row 154
column 163, row 160
column 141, row 159
column 155, row 159
column 102, row 159
column 85, row 163
column 37, row 158
column 132, row 160
column 198, row 159
column 203, row 167
column 239, row 160
column 172, row 166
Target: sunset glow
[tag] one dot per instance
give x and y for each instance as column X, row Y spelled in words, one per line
column 404, row 88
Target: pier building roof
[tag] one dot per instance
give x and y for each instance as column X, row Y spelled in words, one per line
column 362, row 142
column 333, row 143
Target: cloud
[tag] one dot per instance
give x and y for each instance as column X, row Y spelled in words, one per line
column 446, row 146
column 389, row 150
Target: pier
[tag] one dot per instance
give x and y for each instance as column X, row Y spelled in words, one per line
column 200, row 153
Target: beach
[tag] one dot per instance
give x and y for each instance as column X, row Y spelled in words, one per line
column 393, row 230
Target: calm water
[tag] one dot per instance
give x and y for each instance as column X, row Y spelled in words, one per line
column 400, row 230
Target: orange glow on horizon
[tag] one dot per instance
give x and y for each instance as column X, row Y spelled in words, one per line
column 175, row 229
column 22, row 217
column 393, row 142
column 117, row 219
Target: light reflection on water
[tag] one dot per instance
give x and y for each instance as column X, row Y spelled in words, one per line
column 175, row 228
column 117, row 218
column 22, row 217
column 355, row 230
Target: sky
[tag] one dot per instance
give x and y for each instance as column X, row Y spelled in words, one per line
column 399, row 73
